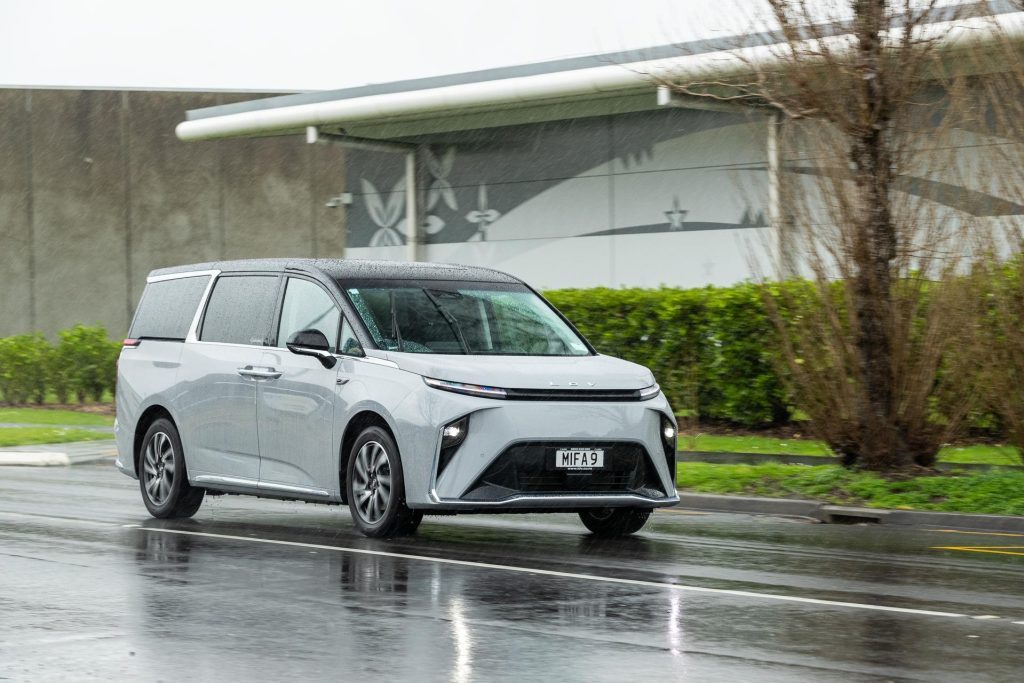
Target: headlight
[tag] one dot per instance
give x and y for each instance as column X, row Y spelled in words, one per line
column 462, row 388
column 649, row 392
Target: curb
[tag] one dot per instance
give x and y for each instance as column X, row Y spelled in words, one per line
column 841, row 514
column 58, row 455
column 33, row 459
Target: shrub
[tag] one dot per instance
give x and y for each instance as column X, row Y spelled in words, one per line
column 87, row 360
column 24, row 365
column 710, row 349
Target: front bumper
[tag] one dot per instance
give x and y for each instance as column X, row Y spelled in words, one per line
column 497, row 428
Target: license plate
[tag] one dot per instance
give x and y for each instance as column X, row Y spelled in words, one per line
column 579, row 458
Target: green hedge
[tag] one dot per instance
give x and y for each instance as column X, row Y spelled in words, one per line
column 82, row 364
column 711, row 349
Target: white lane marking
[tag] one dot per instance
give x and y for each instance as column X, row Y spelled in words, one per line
column 986, row 616
column 567, row 575
column 1019, row 622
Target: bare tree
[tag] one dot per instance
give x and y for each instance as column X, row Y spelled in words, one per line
column 876, row 346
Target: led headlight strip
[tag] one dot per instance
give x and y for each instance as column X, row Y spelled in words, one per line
column 644, row 394
column 649, row 392
column 468, row 389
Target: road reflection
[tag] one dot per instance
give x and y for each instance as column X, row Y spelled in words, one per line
column 317, row 597
column 390, row 606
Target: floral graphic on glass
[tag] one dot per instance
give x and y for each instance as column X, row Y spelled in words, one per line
column 676, row 215
column 385, row 214
column 482, row 216
column 441, row 187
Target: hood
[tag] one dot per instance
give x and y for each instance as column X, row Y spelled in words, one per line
column 529, row 372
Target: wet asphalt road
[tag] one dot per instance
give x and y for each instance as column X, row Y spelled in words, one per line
column 92, row 588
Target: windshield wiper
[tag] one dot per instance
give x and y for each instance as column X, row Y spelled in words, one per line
column 394, row 322
column 452, row 322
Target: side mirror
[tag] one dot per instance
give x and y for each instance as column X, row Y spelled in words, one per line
column 312, row 343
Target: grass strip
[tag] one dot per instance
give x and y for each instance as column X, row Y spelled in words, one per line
column 985, row 454
column 28, row 436
column 48, row 416
column 997, row 491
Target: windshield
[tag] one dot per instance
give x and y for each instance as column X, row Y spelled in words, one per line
column 463, row 318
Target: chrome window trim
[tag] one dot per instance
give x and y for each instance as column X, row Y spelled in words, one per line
column 193, row 329
column 374, row 361
column 243, row 346
column 179, row 276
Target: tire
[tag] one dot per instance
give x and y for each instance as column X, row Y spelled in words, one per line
column 163, row 477
column 376, row 487
column 612, row 522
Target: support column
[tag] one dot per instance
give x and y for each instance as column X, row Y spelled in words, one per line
column 413, row 220
column 777, row 214
column 413, row 199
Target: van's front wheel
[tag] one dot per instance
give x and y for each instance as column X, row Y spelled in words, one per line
column 610, row 522
column 376, row 487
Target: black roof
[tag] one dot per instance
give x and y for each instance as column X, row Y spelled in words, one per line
column 352, row 269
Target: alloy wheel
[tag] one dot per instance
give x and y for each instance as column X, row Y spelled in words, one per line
column 371, row 481
column 159, row 466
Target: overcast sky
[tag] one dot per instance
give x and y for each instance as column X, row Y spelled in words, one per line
column 292, row 45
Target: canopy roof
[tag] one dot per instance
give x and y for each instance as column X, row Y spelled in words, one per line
column 581, row 86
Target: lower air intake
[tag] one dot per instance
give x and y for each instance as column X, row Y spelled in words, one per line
column 529, row 468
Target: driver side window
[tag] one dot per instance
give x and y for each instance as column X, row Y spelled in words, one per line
column 308, row 307
column 349, row 345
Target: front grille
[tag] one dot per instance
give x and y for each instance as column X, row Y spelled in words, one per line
column 529, row 467
column 572, row 394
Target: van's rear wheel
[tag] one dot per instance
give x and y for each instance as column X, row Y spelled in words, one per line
column 163, row 478
column 376, row 487
column 610, row 522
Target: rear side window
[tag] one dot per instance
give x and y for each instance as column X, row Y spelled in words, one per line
column 168, row 307
column 240, row 310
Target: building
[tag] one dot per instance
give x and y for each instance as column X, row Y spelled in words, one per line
column 569, row 173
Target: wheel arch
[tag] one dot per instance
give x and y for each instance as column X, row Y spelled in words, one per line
column 359, row 422
column 147, row 418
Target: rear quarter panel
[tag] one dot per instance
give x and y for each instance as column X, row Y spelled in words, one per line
column 146, row 376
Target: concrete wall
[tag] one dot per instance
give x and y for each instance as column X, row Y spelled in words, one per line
column 96, row 191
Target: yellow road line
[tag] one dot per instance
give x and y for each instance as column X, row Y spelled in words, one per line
column 993, row 549
column 978, row 533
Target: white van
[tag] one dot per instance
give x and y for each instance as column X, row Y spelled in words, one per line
column 397, row 388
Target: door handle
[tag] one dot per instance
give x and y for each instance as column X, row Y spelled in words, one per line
column 259, row 373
